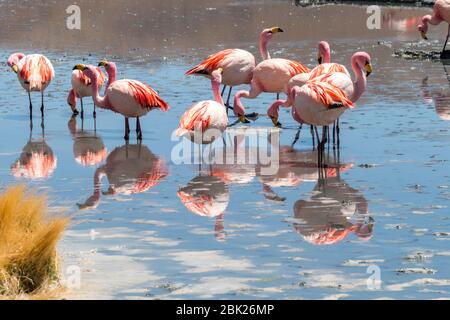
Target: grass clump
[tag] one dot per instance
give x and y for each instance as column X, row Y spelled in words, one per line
column 28, row 241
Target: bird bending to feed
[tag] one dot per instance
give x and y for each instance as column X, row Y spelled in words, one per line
column 131, row 98
column 325, row 66
column 35, row 73
column 324, row 99
column 271, row 75
column 81, row 87
column 203, row 121
column 237, row 64
column 441, row 12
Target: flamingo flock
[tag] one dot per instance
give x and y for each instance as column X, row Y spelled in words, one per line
column 318, row 96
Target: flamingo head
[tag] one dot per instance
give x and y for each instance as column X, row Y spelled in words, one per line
column 217, row 75
column 14, row 59
column 423, row 26
column 109, row 66
column 89, row 71
column 72, row 102
column 324, row 52
column 363, row 61
column 273, row 112
column 268, row 33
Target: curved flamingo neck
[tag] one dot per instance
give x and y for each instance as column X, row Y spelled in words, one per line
column 99, row 101
column 327, row 56
column 265, row 55
column 274, row 109
column 112, row 74
column 360, row 83
column 216, row 91
column 431, row 19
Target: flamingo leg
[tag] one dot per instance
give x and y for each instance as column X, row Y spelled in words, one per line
column 95, row 111
column 138, row 129
column 317, row 137
column 446, row 40
column 338, row 132
column 322, row 144
column 223, row 91
column 297, row 136
column 127, row 130
column 228, row 99
column 42, row 104
column 82, row 108
column 31, row 106
column 334, row 135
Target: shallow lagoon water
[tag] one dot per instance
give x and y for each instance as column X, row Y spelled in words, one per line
column 393, row 182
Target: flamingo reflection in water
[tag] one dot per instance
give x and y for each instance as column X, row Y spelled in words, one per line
column 334, row 211
column 207, row 196
column 88, row 148
column 130, row 169
column 439, row 97
column 37, row 160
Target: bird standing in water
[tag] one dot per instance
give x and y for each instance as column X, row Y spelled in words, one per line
column 441, row 12
column 130, row 98
column 204, row 116
column 81, row 87
column 35, row 73
column 237, row 64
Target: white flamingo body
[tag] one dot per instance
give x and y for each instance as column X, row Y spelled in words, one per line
column 237, row 65
column 122, row 99
column 211, row 113
column 35, row 72
column 202, row 121
column 311, row 109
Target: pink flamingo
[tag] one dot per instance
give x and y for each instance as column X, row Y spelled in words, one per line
column 270, row 75
column 325, row 66
column 35, row 73
column 441, row 12
column 81, row 87
column 205, row 115
column 237, row 64
column 324, row 99
column 131, row 98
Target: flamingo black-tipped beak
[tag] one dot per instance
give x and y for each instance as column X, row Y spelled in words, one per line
column 368, row 68
column 320, row 60
column 81, row 67
column 103, row 63
column 276, row 29
column 243, row 119
column 15, row 68
column 424, row 35
column 275, row 122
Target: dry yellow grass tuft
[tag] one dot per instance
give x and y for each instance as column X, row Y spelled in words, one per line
column 28, row 240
